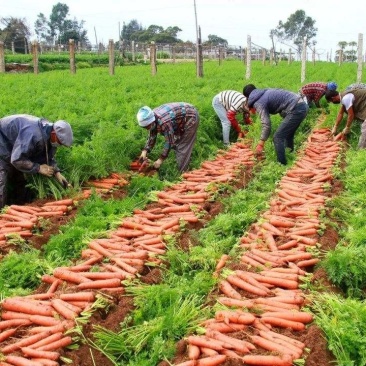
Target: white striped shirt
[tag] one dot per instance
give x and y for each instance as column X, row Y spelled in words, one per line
column 233, row 101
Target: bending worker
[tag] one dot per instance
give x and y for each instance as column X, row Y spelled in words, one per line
column 28, row 145
column 178, row 123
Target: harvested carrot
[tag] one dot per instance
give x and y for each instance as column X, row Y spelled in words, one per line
column 7, row 333
column 27, row 306
column 50, row 355
column 202, row 341
column 113, row 282
column 211, row 360
column 78, row 296
column 21, row 361
column 65, row 274
column 298, row 316
column 283, row 323
column 5, row 324
column 24, row 342
column 67, row 202
column 193, row 352
column 226, row 288
column 236, row 344
column 61, row 307
column 233, row 316
column 61, row 343
column 267, row 360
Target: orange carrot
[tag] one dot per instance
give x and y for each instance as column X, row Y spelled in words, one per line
column 78, row 296
column 273, row 346
column 45, row 362
column 65, row 274
column 228, row 290
column 283, row 323
column 298, row 316
column 21, row 361
column 267, row 360
column 5, row 324
column 50, row 355
column 221, row 263
column 237, row 281
column 24, row 342
column 233, row 316
column 61, row 343
column 237, row 345
column 60, row 327
column 67, row 202
column 202, row 341
column 226, row 328
column 113, row 282
column 227, row 301
column 211, row 360
column 27, row 306
column 61, row 307
column 7, row 333
column 193, row 352
column 308, row 263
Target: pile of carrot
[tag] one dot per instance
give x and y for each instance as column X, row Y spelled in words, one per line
column 114, row 181
column 276, row 256
column 137, row 242
column 21, row 220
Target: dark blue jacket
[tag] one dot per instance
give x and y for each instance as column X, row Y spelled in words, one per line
column 25, row 142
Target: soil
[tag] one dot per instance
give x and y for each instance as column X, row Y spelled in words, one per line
column 122, row 305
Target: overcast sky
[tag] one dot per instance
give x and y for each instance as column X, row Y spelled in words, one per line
column 232, row 20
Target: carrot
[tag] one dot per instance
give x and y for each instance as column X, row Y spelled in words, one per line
column 228, row 290
column 226, row 328
column 128, row 233
column 61, row 307
column 276, row 281
column 308, row 263
column 5, row 324
column 52, row 289
column 287, row 339
column 78, row 296
column 237, row 345
column 126, row 267
column 24, row 342
column 27, row 209
column 206, row 351
column 7, row 333
column 270, row 301
column 221, row 263
column 45, row 362
column 276, row 347
column 65, row 274
column 238, row 282
column 233, row 316
column 67, row 202
column 21, row 361
column 298, row 316
column 193, row 352
column 267, row 360
column 102, row 275
column 283, row 323
column 251, row 262
column 43, row 320
column 271, row 228
column 61, row 327
column 25, row 224
column 211, row 360
column 61, row 343
column 50, row 213
column 27, row 306
column 202, row 341
column 112, row 282
column 50, row 355
column 227, row 301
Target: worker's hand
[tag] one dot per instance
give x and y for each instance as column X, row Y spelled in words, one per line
column 62, row 180
column 346, row 131
column 241, row 135
column 259, row 149
column 46, row 170
column 334, row 130
column 158, row 163
column 143, row 156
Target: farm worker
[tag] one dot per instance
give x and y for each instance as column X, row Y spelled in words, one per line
column 28, row 145
column 291, row 107
column 356, row 86
column 313, row 92
column 178, row 123
column 227, row 104
column 354, row 105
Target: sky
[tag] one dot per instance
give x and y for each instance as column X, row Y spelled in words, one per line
column 233, row 20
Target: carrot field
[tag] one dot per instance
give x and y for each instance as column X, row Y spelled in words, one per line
column 238, row 261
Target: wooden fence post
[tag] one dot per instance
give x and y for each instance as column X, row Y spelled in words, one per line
column 199, row 58
column 263, row 56
column 153, row 58
column 249, row 57
column 35, row 57
column 303, row 60
column 72, row 56
column 2, row 57
column 133, row 50
column 111, row 57
column 359, row 57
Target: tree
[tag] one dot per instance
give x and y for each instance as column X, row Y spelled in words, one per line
column 295, row 29
column 215, row 40
column 132, row 28
column 42, row 29
column 59, row 28
column 17, row 33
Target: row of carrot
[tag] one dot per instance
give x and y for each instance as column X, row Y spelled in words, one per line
column 265, row 298
column 138, row 241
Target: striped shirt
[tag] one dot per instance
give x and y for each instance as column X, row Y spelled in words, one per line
column 172, row 118
column 314, row 91
column 233, row 101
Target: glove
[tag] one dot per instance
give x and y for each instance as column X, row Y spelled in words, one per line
column 259, row 149
column 143, row 156
column 334, row 130
column 346, row 131
column 46, row 170
column 62, row 180
column 158, row 163
column 248, row 121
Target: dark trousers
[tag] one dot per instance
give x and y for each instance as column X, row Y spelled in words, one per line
column 284, row 136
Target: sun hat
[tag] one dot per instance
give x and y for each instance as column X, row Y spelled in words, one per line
column 63, row 132
column 145, row 116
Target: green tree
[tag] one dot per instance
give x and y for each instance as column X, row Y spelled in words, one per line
column 215, row 40
column 131, row 30
column 16, row 32
column 295, row 29
column 42, row 29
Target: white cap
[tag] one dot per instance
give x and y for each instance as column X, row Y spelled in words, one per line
column 145, row 116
